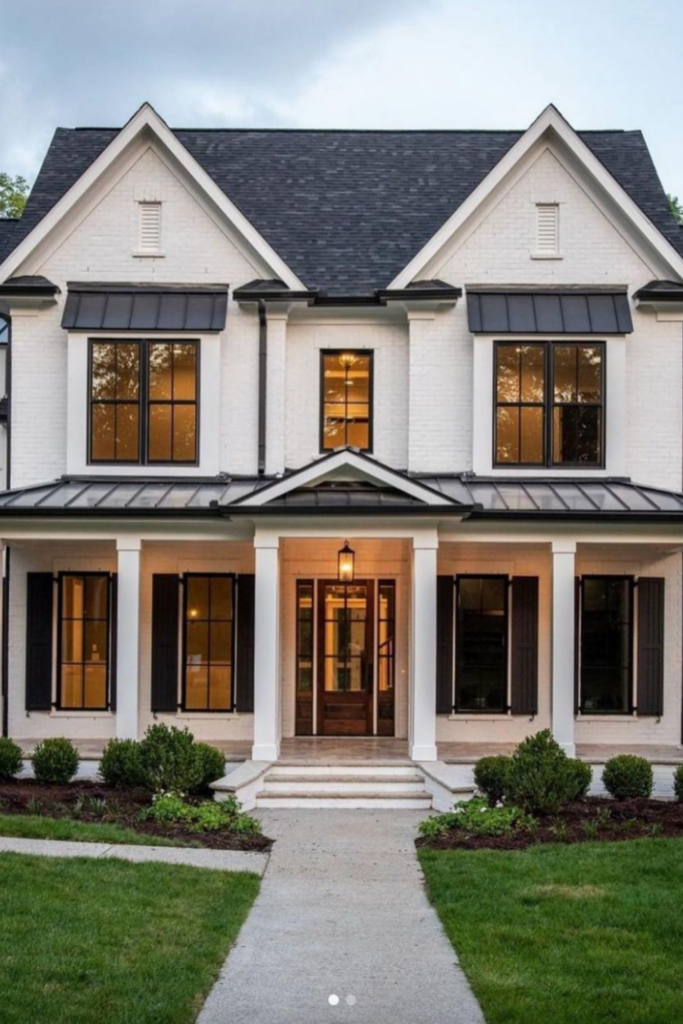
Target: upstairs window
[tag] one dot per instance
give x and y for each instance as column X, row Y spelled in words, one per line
column 143, row 402
column 346, row 401
column 549, row 404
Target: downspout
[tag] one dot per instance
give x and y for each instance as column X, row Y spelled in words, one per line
column 262, row 386
column 4, row 639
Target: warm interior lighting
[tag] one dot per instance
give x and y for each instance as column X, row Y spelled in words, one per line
column 346, row 563
column 348, row 359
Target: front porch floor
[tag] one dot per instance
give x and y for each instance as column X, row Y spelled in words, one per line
column 331, row 750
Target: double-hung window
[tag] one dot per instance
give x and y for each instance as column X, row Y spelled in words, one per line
column 208, row 642
column 549, row 404
column 143, row 402
column 346, row 400
column 481, row 644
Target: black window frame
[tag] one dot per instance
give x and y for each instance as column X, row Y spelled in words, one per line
column 183, row 647
column 549, row 404
column 58, row 704
column 370, row 355
column 144, row 402
column 506, row 707
column 578, row 626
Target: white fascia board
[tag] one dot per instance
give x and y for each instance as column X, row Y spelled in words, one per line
column 549, row 121
column 146, row 118
column 325, row 467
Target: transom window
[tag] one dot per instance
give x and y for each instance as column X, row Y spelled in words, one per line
column 481, row 643
column 549, row 404
column 143, row 401
column 346, row 403
column 84, row 625
column 209, row 643
column 606, row 644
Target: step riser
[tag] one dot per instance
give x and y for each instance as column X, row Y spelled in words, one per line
column 319, row 770
column 273, row 802
column 282, row 785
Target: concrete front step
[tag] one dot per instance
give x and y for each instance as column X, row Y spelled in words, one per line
column 287, row 770
column 357, row 798
column 325, row 784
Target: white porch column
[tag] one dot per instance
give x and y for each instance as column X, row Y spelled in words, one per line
column 267, row 649
column 423, row 689
column 564, row 573
column 128, row 637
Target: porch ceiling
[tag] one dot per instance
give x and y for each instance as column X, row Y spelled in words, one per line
column 480, row 498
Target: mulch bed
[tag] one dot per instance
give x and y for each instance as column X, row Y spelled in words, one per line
column 607, row 821
column 123, row 808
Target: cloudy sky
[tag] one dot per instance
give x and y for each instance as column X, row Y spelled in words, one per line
column 340, row 64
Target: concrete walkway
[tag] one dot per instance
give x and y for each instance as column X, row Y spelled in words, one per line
column 342, row 912
column 218, row 860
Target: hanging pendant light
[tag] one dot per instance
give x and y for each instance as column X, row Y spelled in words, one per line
column 346, row 563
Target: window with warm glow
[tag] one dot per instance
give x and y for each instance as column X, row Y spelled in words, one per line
column 346, row 404
column 84, row 602
column 549, row 404
column 143, row 402
column 209, row 646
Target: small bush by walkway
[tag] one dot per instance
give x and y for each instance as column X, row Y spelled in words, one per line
column 568, row 934
column 112, row 941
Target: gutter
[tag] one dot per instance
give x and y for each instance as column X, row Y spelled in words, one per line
column 4, row 642
column 262, row 384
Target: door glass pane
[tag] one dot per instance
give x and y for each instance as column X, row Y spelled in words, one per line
column 481, row 645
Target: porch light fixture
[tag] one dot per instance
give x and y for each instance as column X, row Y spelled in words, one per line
column 346, row 560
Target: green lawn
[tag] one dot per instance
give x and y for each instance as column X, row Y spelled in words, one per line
column 113, row 942
column 583, row 934
column 35, row 826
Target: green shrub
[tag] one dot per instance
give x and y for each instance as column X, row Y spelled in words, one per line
column 121, row 764
column 540, row 778
column 582, row 775
column 207, row 816
column 476, row 817
column 628, row 777
column 10, row 759
column 490, row 775
column 213, row 763
column 678, row 782
column 55, row 761
column 170, row 759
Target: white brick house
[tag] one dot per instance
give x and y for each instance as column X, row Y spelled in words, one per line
column 233, row 352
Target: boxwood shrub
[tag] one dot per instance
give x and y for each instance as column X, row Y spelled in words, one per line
column 213, row 763
column 490, row 775
column 121, row 764
column 55, row 761
column 10, row 759
column 540, row 777
column 627, row 777
column 171, row 760
column 678, row 782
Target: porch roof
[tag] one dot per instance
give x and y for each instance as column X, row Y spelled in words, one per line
column 463, row 495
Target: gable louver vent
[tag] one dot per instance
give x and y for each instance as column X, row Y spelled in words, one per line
column 547, row 229
column 150, row 227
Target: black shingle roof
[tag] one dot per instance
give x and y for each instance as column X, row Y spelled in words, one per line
column 346, row 210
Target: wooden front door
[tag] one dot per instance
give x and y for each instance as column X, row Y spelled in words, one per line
column 345, row 659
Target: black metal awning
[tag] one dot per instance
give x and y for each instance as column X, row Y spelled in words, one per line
column 481, row 498
column 145, row 307
column 548, row 311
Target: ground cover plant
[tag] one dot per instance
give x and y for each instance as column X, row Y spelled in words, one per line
column 170, row 927
column 573, row 934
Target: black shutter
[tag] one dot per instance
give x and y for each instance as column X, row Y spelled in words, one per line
column 577, row 644
column 113, row 622
column 524, row 653
column 244, row 651
column 39, row 590
column 650, row 653
column 444, row 644
column 165, row 606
